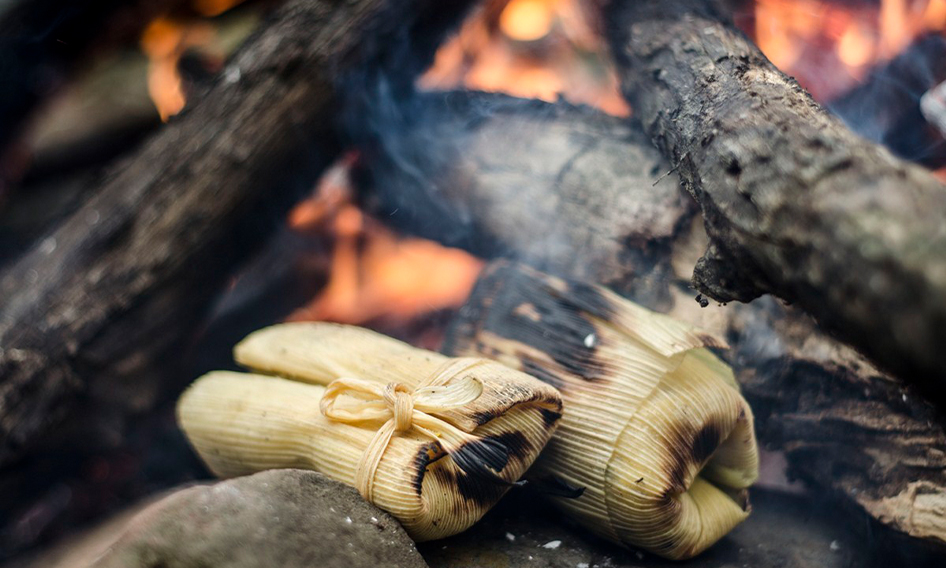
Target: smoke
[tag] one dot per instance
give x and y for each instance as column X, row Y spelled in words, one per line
column 886, row 107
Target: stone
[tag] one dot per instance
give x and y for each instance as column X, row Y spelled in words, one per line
column 287, row 518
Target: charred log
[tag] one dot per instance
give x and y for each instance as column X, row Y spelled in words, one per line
column 794, row 202
column 552, row 185
column 566, row 188
column 93, row 311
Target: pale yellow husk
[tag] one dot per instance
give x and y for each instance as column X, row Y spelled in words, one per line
column 660, row 437
column 240, row 423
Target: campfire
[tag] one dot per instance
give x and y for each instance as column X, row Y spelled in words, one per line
column 175, row 175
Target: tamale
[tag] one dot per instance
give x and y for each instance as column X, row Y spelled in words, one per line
column 432, row 440
column 655, row 429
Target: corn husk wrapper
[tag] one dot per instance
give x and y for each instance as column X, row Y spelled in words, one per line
column 655, row 428
column 435, row 485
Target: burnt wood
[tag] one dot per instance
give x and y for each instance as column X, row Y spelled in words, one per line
column 584, row 195
column 794, row 202
column 562, row 187
column 102, row 309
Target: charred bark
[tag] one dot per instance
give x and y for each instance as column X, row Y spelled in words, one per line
column 102, row 308
column 553, row 185
column 794, row 202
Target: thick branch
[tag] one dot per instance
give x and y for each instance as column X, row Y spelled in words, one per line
column 114, row 292
column 553, row 185
column 794, row 202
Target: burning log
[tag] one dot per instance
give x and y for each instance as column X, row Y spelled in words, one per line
column 121, row 283
column 882, row 445
column 486, row 172
column 795, row 203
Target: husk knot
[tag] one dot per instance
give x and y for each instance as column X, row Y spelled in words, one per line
column 402, row 409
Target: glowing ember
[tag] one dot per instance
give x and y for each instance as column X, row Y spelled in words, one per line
column 830, row 46
column 497, row 50
column 164, row 41
column 376, row 274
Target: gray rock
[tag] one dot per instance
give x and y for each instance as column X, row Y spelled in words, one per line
column 284, row 518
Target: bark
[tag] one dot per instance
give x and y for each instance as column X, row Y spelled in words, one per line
column 101, row 309
column 552, row 185
column 795, row 203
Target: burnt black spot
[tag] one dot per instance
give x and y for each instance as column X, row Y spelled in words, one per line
column 556, row 486
column 706, row 442
column 680, row 470
column 482, row 458
column 484, row 416
column 590, row 299
column 426, row 455
column 557, row 323
column 541, row 371
column 479, row 491
column 550, row 417
column 420, row 467
column 516, row 444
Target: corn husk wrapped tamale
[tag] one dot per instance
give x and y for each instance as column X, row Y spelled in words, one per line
column 434, row 441
column 655, row 428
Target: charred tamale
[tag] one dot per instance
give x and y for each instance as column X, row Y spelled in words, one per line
column 655, row 429
column 432, row 440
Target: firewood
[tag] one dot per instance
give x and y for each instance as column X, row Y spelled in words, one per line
column 498, row 159
column 99, row 304
column 794, row 202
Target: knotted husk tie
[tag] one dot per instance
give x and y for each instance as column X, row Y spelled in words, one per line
column 402, row 409
column 432, row 440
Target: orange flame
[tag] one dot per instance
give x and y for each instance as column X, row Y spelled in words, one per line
column 376, row 274
column 164, row 41
column 527, row 20
column 829, row 46
column 530, row 48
